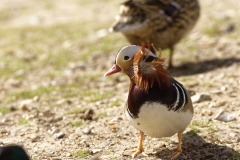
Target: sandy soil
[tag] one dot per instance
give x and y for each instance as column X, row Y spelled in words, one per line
column 210, row 70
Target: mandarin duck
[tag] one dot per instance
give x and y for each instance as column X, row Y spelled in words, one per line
column 13, row 152
column 157, row 104
column 161, row 22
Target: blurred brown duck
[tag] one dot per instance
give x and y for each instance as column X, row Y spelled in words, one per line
column 161, row 22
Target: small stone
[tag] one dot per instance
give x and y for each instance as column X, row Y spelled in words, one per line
column 232, row 134
column 227, row 152
column 56, row 158
column 4, row 120
column 200, row 98
column 224, row 116
column 207, row 112
column 58, row 135
column 95, row 158
column 223, row 88
column 78, row 130
column 24, row 104
column 36, row 98
column 220, row 103
column 86, row 131
column 227, row 28
column 191, row 92
column 73, row 136
column 35, row 139
column 114, row 120
column 209, row 155
column 88, row 114
column 55, row 130
column 98, row 103
column 218, row 92
column 114, row 129
column 4, row 131
column 68, row 154
column 58, row 118
column 61, row 101
column 224, row 157
column 101, row 33
column 96, row 150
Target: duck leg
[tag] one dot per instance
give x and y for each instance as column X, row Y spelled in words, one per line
column 179, row 149
column 170, row 65
column 139, row 149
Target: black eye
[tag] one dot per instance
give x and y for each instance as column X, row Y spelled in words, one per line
column 126, row 57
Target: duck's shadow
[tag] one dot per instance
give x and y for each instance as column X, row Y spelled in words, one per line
column 191, row 68
column 195, row 147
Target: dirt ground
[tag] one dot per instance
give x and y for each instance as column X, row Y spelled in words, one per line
column 207, row 62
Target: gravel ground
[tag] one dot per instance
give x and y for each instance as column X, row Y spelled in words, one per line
column 207, row 64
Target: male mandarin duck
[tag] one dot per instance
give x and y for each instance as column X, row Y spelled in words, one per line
column 162, row 22
column 157, row 104
column 13, row 152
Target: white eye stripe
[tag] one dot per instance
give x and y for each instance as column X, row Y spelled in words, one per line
column 130, row 51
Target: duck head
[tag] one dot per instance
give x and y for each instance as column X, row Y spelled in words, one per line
column 141, row 64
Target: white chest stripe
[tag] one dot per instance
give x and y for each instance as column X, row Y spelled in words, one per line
column 184, row 96
column 177, row 100
column 129, row 110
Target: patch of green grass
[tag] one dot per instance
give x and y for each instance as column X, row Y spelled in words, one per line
column 23, row 122
column 192, row 48
column 208, row 85
column 101, row 115
column 74, row 85
column 116, row 103
column 212, row 29
column 212, row 129
column 4, row 110
column 95, row 95
column 76, row 111
column 4, row 14
column 214, row 139
column 193, row 131
column 195, row 124
column 185, row 58
column 46, row 45
column 71, row 90
column 80, row 154
column 202, row 123
column 92, row 76
column 165, row 139
column 70, row 94
column 76, row 124
column 34, row 92
column 230, row 126
column 165, row 53
column 235, row 156
column 189, row 81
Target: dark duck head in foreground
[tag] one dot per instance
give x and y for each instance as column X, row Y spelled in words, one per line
column 157, row 104
column 13, row 152
column 162, row 22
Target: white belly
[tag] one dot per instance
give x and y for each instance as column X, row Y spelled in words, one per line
column 157, row 121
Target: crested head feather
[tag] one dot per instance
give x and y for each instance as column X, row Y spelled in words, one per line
column 149, row 71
